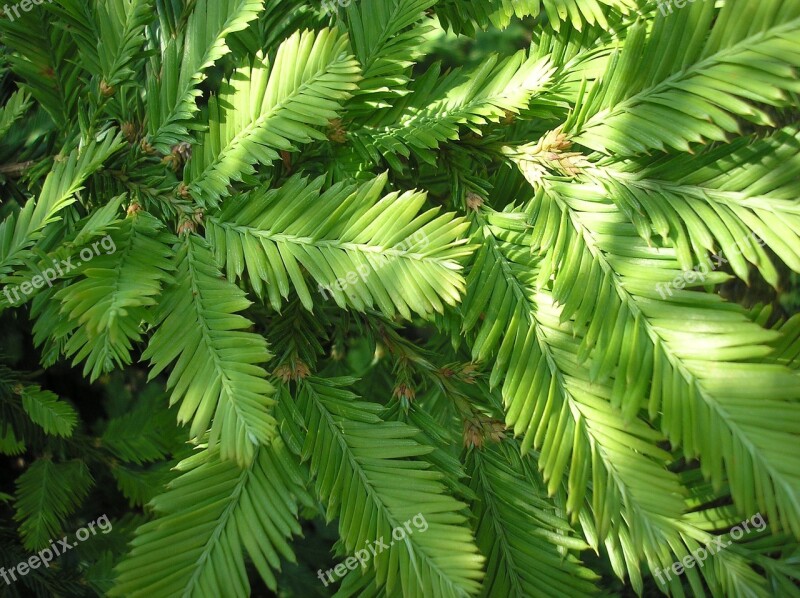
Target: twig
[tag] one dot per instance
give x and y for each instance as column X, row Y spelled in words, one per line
column 16, row 170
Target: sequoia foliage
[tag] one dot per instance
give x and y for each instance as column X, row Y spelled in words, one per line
column 269, row 265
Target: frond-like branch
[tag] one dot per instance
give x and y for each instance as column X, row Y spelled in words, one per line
column 215, row 375
column 209, row 518
column 361, row 249
column 366, row 472
column 262, row 111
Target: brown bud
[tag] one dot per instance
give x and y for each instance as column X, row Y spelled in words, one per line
column 474, row 201
column 336, row 132
column 479, row 429
column 106, row 89
column 172, row 161
column 129, row 130
column 187, row 226
column 404, row 392
column 296, row 371
column 147, row 148
column 473, row 435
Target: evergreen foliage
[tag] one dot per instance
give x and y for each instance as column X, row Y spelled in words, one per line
column 268, row 266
